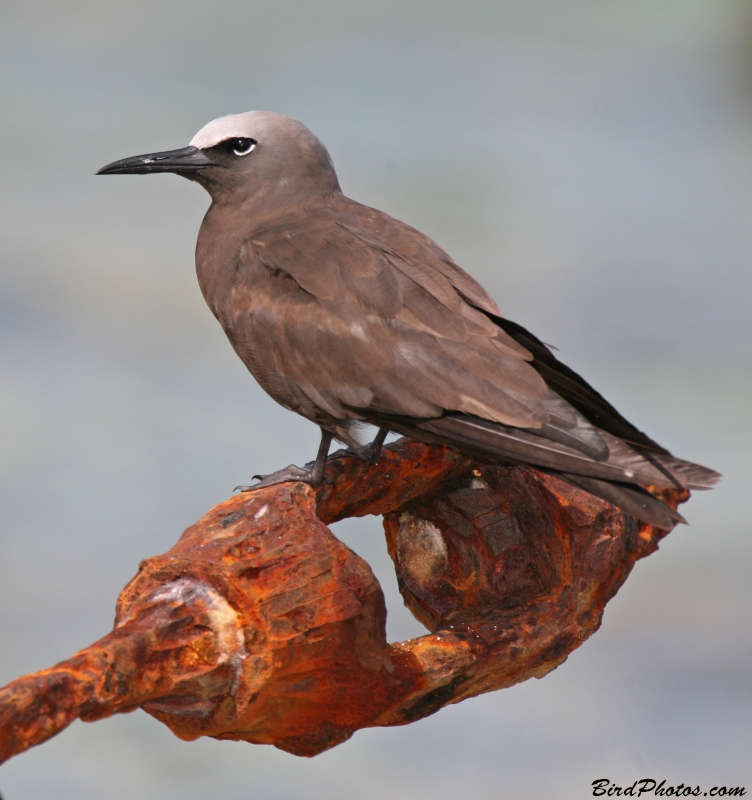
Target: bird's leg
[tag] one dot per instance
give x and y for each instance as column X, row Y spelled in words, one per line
column 319, row 466
column 313, row 473
column 368, row 452
column 373, row 451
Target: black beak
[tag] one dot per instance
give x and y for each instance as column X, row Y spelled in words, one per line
column 185, row 160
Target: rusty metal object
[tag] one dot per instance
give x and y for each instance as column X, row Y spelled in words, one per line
column 259, row 625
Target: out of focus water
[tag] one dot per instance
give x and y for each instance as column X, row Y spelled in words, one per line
column 589, row 162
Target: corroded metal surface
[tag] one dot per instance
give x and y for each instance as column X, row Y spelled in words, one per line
column 259, row 625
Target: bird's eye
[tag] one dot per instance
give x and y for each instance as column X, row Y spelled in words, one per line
column 242, row 145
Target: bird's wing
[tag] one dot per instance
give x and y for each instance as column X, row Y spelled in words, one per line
column 377, row 229
column 363, row 330
column 576, row 391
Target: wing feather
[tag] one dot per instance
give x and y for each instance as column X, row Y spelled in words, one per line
column 373, row 330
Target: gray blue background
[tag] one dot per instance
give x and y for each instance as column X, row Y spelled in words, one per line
column 590, row 161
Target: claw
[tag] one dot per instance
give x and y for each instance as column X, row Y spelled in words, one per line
column 313, row 473
column 291, row 473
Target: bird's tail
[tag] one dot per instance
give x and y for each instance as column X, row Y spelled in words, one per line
column 615, row 474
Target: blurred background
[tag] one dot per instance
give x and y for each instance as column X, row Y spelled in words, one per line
column 590, row 161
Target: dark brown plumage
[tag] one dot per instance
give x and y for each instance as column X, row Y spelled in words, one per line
column 346, row 315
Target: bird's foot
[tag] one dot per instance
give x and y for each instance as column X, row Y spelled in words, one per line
column 313, row 473
column 369, row 452
column 305, row 474
column 365, row 453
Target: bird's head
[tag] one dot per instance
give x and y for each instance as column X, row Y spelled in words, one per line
column 259, row 156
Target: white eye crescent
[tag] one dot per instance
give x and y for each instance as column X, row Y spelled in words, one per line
column 241, row 146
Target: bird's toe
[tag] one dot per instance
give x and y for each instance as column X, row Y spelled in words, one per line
column 292, row 473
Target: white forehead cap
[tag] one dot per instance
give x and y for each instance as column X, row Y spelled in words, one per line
column 229, row 127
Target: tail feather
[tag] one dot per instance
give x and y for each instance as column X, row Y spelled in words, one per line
column 616, row 478
column 632, row 499
column 624, row 463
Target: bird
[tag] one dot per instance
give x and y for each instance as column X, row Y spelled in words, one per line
column 349, row 317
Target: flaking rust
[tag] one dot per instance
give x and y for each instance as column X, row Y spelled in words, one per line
column 259, row 625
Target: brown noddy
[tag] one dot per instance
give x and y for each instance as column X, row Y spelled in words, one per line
column 349, row 316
